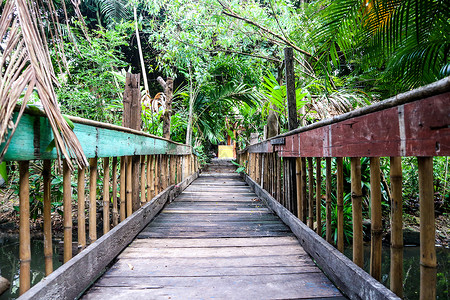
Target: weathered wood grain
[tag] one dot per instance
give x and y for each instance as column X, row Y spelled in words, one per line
column 71, row 279
column 351, row 279
column 221, row 245
column 33, row 135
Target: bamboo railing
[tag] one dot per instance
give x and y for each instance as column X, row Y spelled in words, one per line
column 162, row 163
column 411, row 124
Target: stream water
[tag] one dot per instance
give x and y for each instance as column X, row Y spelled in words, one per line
column 411, row 270
column 9, row 266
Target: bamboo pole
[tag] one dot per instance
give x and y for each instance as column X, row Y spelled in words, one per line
column 24, row 227
column 81, row 208
column 375, row 201
column 279, row 190
column 129, row 185
column 328, row 201
column 115, row 212
column 173, row 169
column 67, row 200
column 48, row 251
column 149, row 177
column 340, row 204
column 123, row 167
column 143, row 181
column 93, row 199
column 319, row 195
column 310, row 193
column 298, row 177
column 156, row 183
column 106, row 200
column 358, row 251
column 427, row 230
column 396, row 279
column 303, row 185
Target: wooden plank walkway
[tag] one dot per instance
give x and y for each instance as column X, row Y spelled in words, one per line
column 217, row 240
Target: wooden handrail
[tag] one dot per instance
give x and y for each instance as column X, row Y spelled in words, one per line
column 415, row 123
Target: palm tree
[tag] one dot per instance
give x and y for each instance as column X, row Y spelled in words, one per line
column 406, row 41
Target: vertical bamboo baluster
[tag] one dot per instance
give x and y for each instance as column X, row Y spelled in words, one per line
column 310, row 193
column 303, row 184
column 173, row 169
column 162, row 173
column 93, row 199
column 48, row 251
column 81, row 208
column 396, row 279
column 274, row 175
column 328, row 200
column 169, row 170
column 258, row 168
column 24, row 227
column 123, row 172
column 319, row 195
column 129, row 185
column 149, row 177
column 67, row 200
column 279, row 190
column 115, row 212
column 298, row 177
column 157, row 172
column 340, row 204
column 358, row 251
column 143, row 181
column 106, row 200
column 266, row 172
column 375, row 201
column 428, row 262
column 180, row 169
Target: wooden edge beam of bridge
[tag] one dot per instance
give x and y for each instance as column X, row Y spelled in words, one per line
column 71, row 279
column 353, row 281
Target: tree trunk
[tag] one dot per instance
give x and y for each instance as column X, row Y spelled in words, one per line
column 191, row 110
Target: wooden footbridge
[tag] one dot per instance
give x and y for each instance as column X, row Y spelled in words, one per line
column 170, row 231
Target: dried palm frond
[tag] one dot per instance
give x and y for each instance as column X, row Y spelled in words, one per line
column 25, row 66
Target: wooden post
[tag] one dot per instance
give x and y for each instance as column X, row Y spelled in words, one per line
column 328, row 201
column 180, row 169
column 93, row 199
column 310, row 194
column 67, row 200
column 304, row 197
column 81, row 208
column 319, row 196
column 106, row 201
column 48, row 251
column 123, row 168
column 340, row 204
column 143, row 181
column 396, row 279
column 129, row 185
column 290, row 88
column 358, row 251
column 132, row 119
column 168, row 92
column 24, row 227
column 375, row 201
column 427, row 229
column 115, row 212
column 173, row 169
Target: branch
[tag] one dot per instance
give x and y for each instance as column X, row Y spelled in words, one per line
column 227, row 11
column 162, row 82
column 232, row 51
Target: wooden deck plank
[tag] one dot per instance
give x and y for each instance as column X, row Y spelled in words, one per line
column 216, row 240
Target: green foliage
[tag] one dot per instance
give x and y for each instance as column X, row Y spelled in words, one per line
column 3, row 173
column 348, row 224
column 91, row 90
column 241, row 168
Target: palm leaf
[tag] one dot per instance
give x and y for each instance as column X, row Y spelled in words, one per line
column 25, row 65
